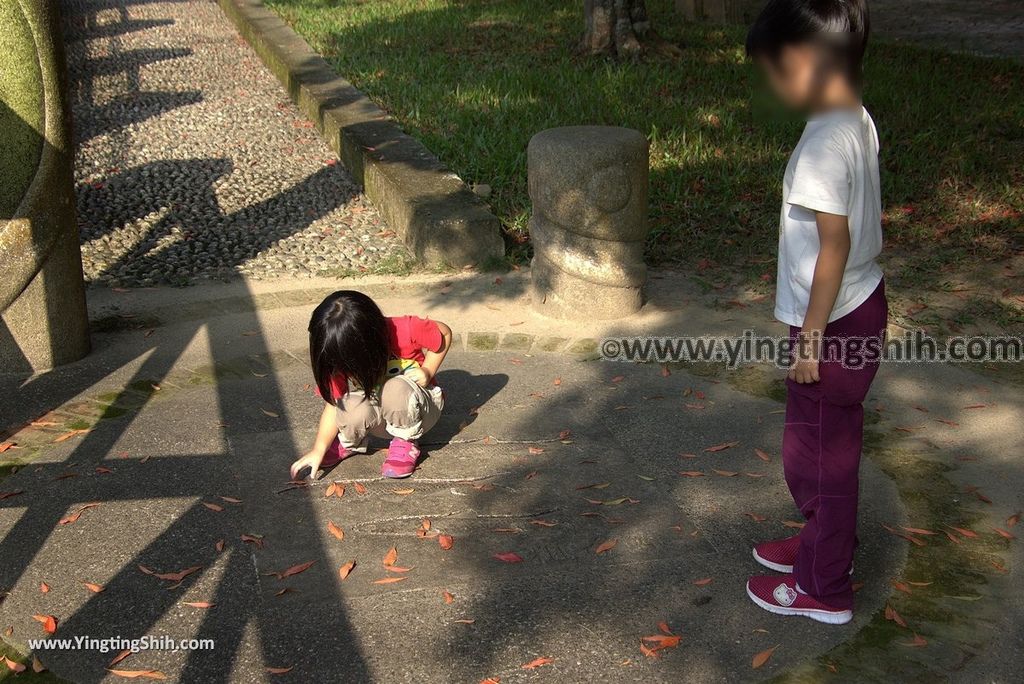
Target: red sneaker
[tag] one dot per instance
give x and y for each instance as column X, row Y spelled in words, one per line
column 780, row 595
column 401, row 460
column 778, row 555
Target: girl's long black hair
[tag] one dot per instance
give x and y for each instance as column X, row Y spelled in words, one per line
column 348, row 335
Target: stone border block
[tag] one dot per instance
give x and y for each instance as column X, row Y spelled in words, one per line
column 428, row 206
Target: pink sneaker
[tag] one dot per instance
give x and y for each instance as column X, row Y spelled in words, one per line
column 778, row 555
column 780, row 595
column 401, row 460
column 335, row 454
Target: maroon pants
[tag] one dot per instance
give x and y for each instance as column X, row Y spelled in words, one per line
column 821, row 448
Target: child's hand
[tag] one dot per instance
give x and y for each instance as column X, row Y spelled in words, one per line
column 419, row 376
column 805, row 371
column 311, row 460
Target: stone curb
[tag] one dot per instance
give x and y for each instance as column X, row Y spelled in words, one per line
column 430, row 208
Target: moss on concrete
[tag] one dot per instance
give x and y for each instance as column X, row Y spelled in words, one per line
column 21, row 108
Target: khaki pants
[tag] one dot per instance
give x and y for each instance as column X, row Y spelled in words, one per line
column 404, row 409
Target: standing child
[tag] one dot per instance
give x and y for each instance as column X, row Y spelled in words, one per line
column 829, row 290
column 376, row 374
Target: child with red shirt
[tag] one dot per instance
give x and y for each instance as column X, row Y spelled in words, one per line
column 376, row 374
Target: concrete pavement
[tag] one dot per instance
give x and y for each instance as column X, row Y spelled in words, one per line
column 196, row 400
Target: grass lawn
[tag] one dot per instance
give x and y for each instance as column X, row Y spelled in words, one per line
column 475, row 79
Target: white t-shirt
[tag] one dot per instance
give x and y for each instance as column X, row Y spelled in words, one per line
column 834, row 170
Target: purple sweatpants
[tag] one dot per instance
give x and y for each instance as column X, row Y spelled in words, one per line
column 821, row 448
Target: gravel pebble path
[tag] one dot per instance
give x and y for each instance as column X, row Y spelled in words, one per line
column 193, row 164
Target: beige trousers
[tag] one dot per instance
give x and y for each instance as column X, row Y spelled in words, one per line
column 404, row 409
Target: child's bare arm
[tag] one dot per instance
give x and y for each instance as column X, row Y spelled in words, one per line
column 834, row 239
column 432, row 360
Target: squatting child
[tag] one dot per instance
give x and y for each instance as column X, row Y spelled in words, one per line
column 829, row 289
column 376, row 377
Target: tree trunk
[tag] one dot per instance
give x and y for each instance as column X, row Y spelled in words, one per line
column 620, row 28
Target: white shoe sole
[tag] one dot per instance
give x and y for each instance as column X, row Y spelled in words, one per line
column 826, row 616
column 777, row 567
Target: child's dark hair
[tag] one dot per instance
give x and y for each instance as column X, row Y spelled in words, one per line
column 348, row 335
column 842, row 26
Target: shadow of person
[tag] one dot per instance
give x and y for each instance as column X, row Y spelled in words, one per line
column 464, row 393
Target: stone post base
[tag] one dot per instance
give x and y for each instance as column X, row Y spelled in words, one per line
column 47, row 325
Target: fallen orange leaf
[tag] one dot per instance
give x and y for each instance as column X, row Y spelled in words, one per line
column 213, row 507
column 44, row 587
column 721, row 447
column 48, row 622
column 691, row 473
column 917, row 642
column 662, row 641
column 13, row 666
column 94, row 588
column 71, row 433
column 509, row 557
column 703, row 582
column 77, row 514
column 280, row 670
column 446, row 541
column 254, row 539
column 200, row 604
column 763, row 455
column 448, row 598
column 537, row 662
column 293, row 570
column 389, row 580
column 359, row 487
column 891, row 614
column 604, row 547
column 176, row 576
column 763, row 657
column 335, row 530
column 391, row 556
column 346, row 569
